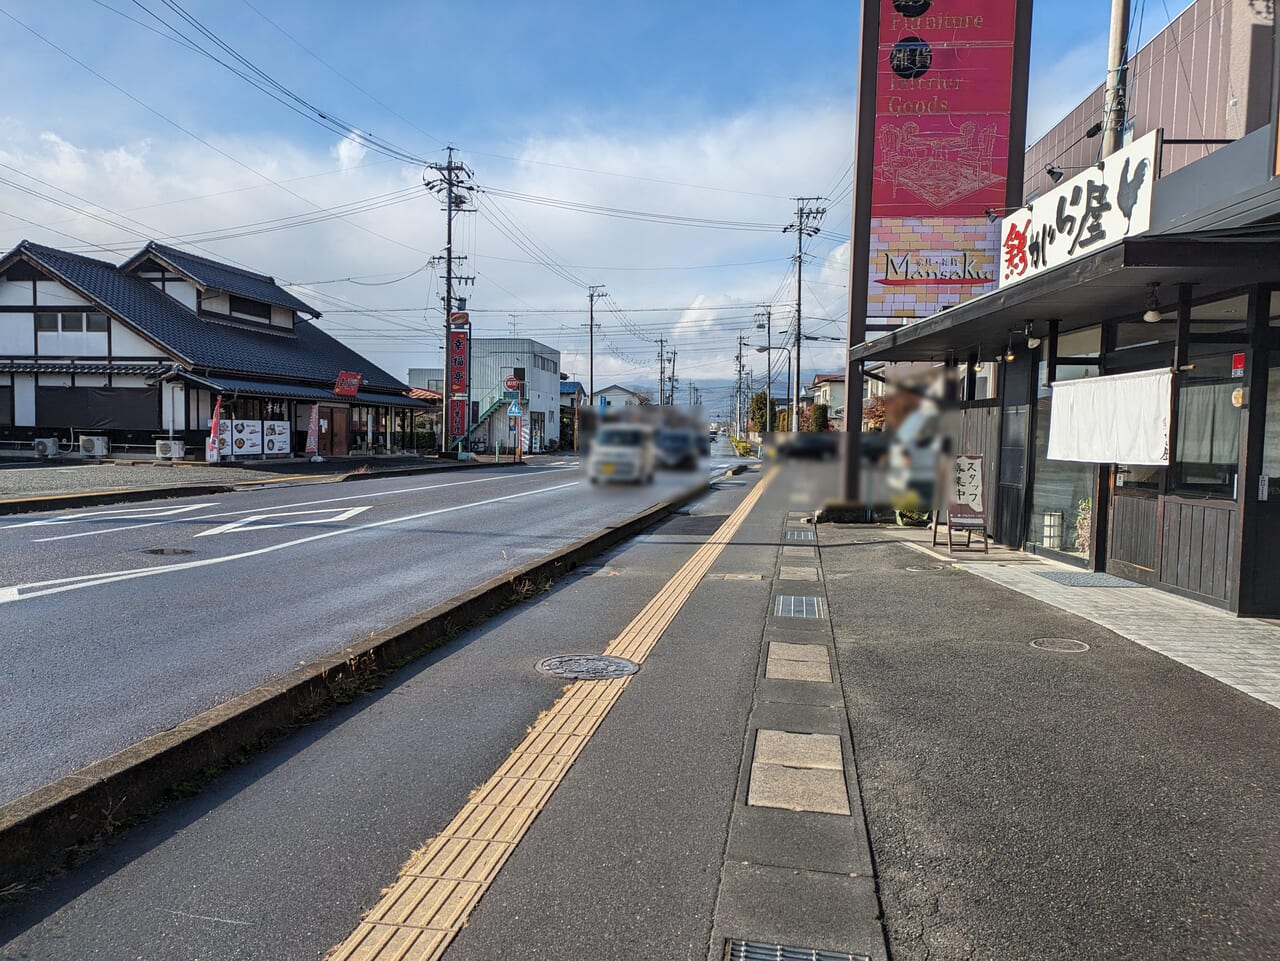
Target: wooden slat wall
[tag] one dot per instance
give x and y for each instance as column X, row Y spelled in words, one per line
column 980, row 434
column 1198, row 545
column 1134, row 525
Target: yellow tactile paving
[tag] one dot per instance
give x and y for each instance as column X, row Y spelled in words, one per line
column 437, row 889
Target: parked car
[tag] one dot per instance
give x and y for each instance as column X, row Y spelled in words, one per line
column 677, row 449
column 809, row 445
column 622, row 452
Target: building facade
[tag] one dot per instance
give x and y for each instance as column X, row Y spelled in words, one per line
column 1135, row 424
column 129, row 354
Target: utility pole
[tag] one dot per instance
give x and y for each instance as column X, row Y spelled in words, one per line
column 593, row 292
column 662, row 371
column 808, row 216
column 1117, row 78
column 766, row 321
column 737, row 390
column 672, row 380
column 454, row 183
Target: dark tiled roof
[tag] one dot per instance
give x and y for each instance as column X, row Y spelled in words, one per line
column 233, row 280
column 306, row 354
column 828, row 379
column 234, row 385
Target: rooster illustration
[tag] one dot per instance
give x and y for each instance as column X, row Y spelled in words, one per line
column 1128, row 191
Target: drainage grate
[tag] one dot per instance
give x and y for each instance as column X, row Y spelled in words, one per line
column 1085, row 579
column 1060, row 645
column 587, row 667
column 168, row 551
column 797, row 605
column 800, row 536
column 737, row 950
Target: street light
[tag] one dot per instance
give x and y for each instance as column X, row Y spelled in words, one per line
column 795, row 425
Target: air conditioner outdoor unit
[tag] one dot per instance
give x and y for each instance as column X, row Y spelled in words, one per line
column 46, row 447
column 95, row 446
column 174, row 449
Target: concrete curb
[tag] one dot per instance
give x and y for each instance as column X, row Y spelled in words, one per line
column 134, row 494
column 45, row 830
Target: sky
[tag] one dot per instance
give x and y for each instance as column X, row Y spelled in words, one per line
column 118, row 129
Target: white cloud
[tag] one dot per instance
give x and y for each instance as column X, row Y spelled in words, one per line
column 756, row 160
column 350, row 152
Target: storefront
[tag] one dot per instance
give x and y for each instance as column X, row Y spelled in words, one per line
column 1137, row 429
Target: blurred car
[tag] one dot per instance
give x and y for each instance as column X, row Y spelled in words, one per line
column 809, row 445
column 704, row 445
column 622, row 452
column 677, row 449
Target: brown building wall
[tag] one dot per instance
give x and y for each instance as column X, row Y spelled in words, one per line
column 1205, row 76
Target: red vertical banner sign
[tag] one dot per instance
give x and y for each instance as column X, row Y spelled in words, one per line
column 943, row 116
column 212, row 453
column 457, row 377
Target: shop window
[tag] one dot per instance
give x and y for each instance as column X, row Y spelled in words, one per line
column 1062, row 491
column 1208, row 445
column 1080, row 343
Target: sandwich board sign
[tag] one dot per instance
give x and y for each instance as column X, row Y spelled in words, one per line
column 964, row 501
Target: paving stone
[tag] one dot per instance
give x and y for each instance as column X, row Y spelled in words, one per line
column 799, row 750
column 798, row 652
column 798, row 574
column 784, row 670
column 798, row 789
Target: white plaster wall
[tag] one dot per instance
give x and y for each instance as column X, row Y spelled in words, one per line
column 24, row 400
column 55, row 380
column 127, row 380
column 50, row 293
column 74, row 344
column 17, row 335
column 14, row 293
column 126, row 343
column 182, row 291
column 173, row 397
column 219, row 304
column 281, row 317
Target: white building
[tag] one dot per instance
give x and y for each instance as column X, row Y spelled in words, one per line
column 616, row 399
column 535, row 369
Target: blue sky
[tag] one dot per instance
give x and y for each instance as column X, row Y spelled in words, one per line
column 751, row 98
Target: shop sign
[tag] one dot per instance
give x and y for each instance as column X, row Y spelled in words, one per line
column 313, row 430
column 277, row 437
column 457, row 416
column 1092, row 210
column 246, row 436
column 964, row 498
column 348, row 384
column 940, row 106
column 1237, row 365
column 457, row 361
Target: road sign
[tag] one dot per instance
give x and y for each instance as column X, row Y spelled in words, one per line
column 514, row 410
column 511, row 383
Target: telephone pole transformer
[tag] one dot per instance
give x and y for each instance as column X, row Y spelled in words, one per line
column 808, row 216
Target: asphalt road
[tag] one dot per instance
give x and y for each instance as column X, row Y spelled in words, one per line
column 106, row 642
column 279, row 858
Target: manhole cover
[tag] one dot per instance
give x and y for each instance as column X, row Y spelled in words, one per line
column 587, row 667
column 168, row 551
column 1061, row 645
column 922, row 568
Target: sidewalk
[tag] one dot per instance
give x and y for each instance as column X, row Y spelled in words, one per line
column 1241, row 652
column 1036, row 785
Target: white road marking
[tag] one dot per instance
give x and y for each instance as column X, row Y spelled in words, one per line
column 118, row 513
column 331, row 515
column 42, row 588
column 326, row 500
